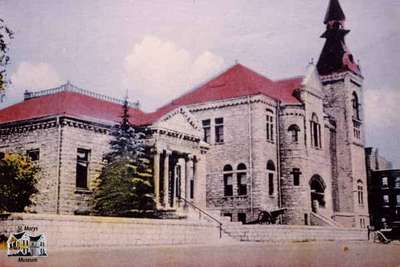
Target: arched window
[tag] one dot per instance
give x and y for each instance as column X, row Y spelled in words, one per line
column 315, row 129
column 360, row 192
column 356, row 106
column 242, row 179
column 294, row 133
column 228, row 180
column 270, row 176
column 317, row 186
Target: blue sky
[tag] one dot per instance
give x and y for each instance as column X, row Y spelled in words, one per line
column 158, row 49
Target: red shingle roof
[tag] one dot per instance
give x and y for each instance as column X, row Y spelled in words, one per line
column 237, row 81
column 66, row 103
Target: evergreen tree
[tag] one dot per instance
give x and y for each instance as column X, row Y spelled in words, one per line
column 18, row 181
column 124, row 186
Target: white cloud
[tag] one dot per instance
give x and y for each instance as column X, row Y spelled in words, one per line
column 30, row 76
column 158, row 70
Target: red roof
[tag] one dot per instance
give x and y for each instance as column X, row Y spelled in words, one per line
column 237, row 81
column 66, row 103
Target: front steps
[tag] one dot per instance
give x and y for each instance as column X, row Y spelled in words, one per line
column 317, row 219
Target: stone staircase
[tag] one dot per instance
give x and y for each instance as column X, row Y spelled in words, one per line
column 321, row 220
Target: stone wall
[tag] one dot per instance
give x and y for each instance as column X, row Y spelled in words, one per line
column 63, row 231
column 77, row 135
column 42, row 135
column 244, row 142
column 276, row 233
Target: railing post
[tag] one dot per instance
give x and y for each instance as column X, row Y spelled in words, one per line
column 220, row 230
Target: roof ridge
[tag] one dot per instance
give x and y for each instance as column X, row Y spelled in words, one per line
column 69, row 87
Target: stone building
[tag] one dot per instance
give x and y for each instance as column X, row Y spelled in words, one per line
column 383, row 189
column 238, row 144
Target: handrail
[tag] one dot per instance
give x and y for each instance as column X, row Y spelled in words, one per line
column 203, row 212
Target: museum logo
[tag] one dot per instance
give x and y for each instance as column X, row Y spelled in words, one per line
column 26, row 243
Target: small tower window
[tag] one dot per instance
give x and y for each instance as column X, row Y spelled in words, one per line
column 356, row 106
column 294, row 133
column 360, row 193
column 296, row 176
column 270, row 126
column 315, row 129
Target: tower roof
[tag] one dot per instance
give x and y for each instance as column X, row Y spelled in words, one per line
column 334, row 12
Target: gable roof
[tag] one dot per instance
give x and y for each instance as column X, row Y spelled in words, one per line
column 235, row 82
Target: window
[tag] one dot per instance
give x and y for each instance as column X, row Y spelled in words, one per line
column 294, row 133
column 207, row 130
column 33, row 154
column 242, row 217
column 397, row 182
column 227, row 214
column 242, row 179
column 82, row 166
column 385, row 182
column 228, row 180
column 397, row 200
column 360, row 193
column 219, row 130
column 270, row 175
column 2, row 155
column 270, row 126
column 357, row 129
column 296, row 176
column 356, row 107
column 385, row 199
column 315, row 129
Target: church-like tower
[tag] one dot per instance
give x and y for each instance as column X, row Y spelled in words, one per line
column 342, row 85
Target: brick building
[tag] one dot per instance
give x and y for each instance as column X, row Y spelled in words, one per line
column 383, row 189
column 238, row 144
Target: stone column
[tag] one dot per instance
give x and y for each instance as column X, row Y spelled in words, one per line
column 187, row 177
column 166, row 178
column 156, row 175
column 194, row 177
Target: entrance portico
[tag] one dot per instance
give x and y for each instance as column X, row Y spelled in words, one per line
column 174, row 177
column 178, row 161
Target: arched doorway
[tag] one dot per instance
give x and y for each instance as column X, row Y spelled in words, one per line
column 317, row 188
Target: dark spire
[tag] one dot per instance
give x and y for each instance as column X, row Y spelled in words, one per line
column 334, row 12
column 335, row 56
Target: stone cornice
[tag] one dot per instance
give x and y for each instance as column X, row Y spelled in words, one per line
column 27, row 126
column 340, row 77
column 243, row 100
column 50, row 122
column 173, row 133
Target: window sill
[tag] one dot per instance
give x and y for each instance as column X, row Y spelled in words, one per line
column 218, row 143
column 83, row 191
column 271, row 142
